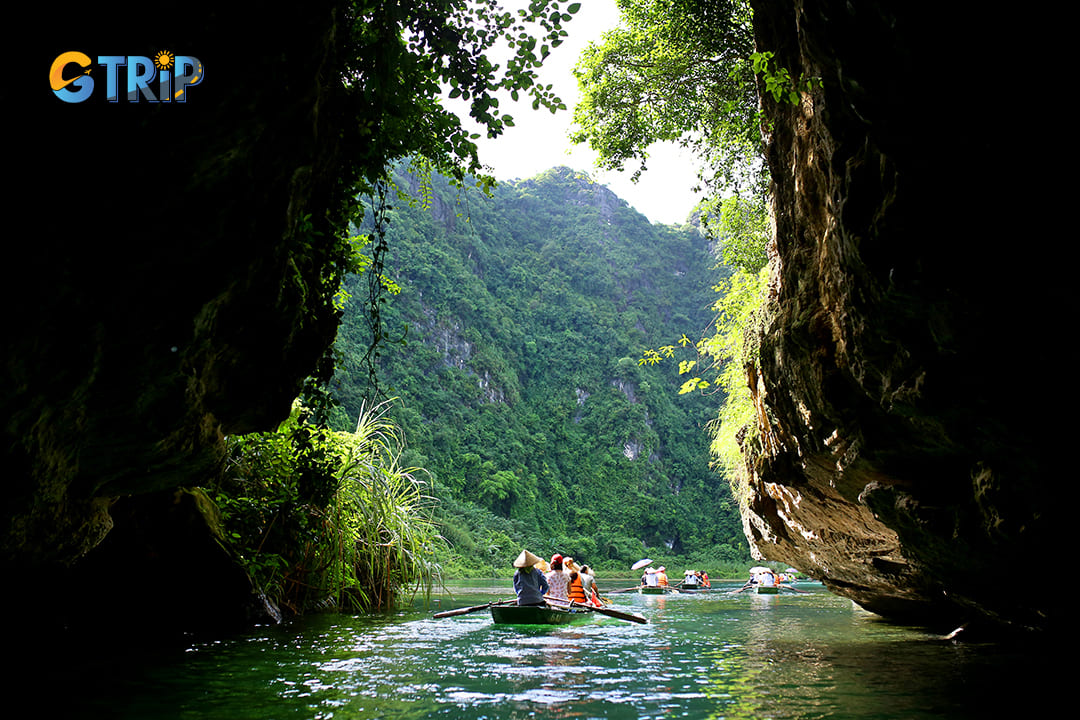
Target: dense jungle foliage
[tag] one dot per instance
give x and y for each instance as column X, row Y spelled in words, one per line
column 512, row 330
column 518, row 332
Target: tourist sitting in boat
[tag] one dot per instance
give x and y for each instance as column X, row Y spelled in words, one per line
column 529, row 583
column 558, row 580
column 661, row 576
column 576, row 588
column 579, row 586
column 649, row 579
column 704, row 578
column 691, row 579
column 588, row 582
column 765, row 577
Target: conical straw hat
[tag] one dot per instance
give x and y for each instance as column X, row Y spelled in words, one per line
column 526, row 559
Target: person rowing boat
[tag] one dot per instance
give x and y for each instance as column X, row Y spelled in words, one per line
column 529, row 583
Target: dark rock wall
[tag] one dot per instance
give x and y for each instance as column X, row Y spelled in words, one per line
column 163, row 290
column 907, row 451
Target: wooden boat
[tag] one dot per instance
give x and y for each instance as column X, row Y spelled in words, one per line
column 767, row 589
column 694, row 588
column 537, row 614
column 656, row 589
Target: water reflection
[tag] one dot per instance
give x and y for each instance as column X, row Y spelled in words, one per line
column 700, row 656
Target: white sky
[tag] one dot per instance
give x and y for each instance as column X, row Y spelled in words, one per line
column 539, row 139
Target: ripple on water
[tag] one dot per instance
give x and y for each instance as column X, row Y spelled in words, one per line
column 698, row 657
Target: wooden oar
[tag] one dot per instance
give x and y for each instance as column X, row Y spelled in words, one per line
column 602, row 610
column 736, row 592
column 623, row 590
column 632, row 617
column 790, row 587
column 474, row 608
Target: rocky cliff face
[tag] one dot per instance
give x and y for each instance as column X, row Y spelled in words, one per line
column 906, row 444
column 166, row 287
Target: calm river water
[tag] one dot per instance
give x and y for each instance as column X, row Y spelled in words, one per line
column 795, row 655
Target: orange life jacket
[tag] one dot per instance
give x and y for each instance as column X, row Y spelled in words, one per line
column 577, row 590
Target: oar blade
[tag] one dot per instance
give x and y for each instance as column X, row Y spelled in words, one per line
column 631, row 617
column 460, row 611
column 467, row 610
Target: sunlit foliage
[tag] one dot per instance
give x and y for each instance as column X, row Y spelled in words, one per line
column 721, row 362
column 520, row 317
column 686, row 71
column 677, row 71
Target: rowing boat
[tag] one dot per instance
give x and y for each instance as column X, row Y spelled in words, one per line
column 536, row 614
column 767, row 590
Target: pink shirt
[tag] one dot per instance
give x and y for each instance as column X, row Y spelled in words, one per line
column 558, row 584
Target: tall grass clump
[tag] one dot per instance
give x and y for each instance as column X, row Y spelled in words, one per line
column 384, row 534
column 324, row 519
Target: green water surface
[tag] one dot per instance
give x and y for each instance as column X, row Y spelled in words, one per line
column 721, row 655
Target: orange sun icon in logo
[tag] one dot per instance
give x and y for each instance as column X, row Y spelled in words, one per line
column 164, row 60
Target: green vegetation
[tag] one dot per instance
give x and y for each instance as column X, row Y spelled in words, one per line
column 686, row 71
column 389, row 70
column 678, row 71
column 323, row 518
column 518, row 316
column 401, row 58
column 519, row 322
column 778, row 81
column 331, row 517
column 725, row 358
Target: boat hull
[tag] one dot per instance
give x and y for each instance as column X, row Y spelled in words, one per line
column 767, row 590
column 536, row 615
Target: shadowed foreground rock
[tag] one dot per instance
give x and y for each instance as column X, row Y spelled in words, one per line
column 906, row 450
column 169, row 289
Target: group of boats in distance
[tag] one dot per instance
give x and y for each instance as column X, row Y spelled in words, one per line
column 559, row 611
column 763, row 580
